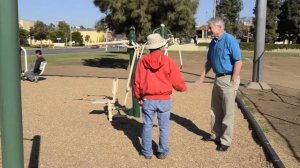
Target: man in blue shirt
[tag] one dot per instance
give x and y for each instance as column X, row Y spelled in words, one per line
column 224, row 57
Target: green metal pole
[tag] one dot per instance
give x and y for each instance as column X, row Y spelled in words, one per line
column 135, row 110
column 131, row 38
column 10, row 90
column 163, row 31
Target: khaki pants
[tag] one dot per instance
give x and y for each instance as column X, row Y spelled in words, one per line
column 222, row 109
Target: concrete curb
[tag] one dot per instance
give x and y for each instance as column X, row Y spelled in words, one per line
column 277, row 163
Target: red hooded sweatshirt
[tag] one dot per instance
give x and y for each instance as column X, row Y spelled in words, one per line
column 155, row 76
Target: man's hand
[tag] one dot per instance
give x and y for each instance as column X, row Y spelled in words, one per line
column 233, row 81
column 141, row 103
column 203, row 74
column 236, row 82
column 199, row 82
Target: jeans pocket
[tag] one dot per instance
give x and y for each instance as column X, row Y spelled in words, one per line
column 165, row 106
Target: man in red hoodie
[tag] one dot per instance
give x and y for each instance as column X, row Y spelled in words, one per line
column 155, row 77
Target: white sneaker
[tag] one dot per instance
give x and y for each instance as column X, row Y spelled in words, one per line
column 36, row 78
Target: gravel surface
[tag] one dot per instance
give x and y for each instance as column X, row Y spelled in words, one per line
column 62, row 128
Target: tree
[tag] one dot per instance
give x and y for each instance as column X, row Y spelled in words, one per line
column 100, row 25
column 229, row 10
column 245, row 29
column 51, row 27
column 77, row 37
column 23, row 34
column 65, row 29
column 39, row 31
column 82, row 27
column 54, row 35
column 289, row 21
column 146, row 15
column 87, row 38
column 273, row 10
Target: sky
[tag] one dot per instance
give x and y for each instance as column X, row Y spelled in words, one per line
column 85, row 13
column 205, row 10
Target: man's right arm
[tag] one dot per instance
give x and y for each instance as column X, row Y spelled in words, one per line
column 176, row 78
column 203, row 74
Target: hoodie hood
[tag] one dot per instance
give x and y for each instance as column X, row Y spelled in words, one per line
column 154, row 60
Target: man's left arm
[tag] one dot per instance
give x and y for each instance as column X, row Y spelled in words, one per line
column 237, row 57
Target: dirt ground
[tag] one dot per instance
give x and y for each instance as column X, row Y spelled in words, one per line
column 67, row 130
column 64, row 129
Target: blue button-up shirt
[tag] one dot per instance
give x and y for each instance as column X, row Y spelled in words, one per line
column 223, row 52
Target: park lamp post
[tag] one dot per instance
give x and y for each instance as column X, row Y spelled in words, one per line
column 257, row 74
column 206, row 25
column 71, row 42
column 106, row 35
column 32, row 40
column 70, row 36
column 214, row 8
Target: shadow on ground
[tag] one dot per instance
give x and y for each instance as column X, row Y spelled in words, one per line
column 35, row 151
column 133, row 129
column 280, row 106
column 115, row 63
column 189, row 125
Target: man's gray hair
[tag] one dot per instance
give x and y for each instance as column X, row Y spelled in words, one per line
column 217, row 21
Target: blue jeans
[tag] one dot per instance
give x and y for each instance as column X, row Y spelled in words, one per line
column 163, row 109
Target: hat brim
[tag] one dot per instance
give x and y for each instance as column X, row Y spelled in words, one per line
column 156, row 45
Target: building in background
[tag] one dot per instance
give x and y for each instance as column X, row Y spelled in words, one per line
column 202, row 34
column 92, row 36
column 26, row 24
column 89, row 36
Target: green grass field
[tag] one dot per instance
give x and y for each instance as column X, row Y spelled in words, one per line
column 78, row 58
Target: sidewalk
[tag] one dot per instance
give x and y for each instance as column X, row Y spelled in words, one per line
column 278, row 113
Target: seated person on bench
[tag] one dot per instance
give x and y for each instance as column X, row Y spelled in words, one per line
column 30, row 75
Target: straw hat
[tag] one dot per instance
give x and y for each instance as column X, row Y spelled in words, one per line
column 155, row 41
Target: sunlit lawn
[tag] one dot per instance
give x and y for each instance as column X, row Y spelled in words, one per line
column 78, row 58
